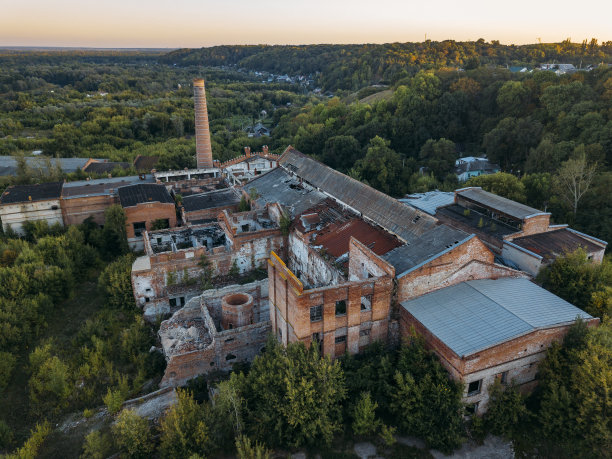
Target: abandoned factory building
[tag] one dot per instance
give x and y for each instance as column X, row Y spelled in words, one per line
column 348, row 265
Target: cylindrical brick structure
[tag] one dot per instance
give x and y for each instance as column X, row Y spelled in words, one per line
column 203, row 146
column 237, row 310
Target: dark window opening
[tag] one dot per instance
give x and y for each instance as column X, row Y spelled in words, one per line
column 172, row 302
column 230, row 357
column 503, row 377
column 316, row 338
column 245, row 228
column 340, row 339
column 370, row 275
column 147, row 299
column 230, row 326
column 474, row 387
column 139, row 228
column 316, row 313
column 341, row 307
column 364, row 332
column 472, row 409
column 53, row 207
column 366, row 302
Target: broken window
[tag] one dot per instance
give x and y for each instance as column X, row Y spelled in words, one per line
column 503, row 377
column 340, row 339
column 172, row 302
column 139, row 228
column 316, row 338
column 364, row 332
column 366, row 302
column 471, row 409
column 341, row 307
column 474, row 387
column 316, row 313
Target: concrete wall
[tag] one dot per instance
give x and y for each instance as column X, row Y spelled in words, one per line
column 14, row 215
column 206, row 214
column 526, row 261
column 309, row 265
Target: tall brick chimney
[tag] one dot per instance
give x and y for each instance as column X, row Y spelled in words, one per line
column 203, row 147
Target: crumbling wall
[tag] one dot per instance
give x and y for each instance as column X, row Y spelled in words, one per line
column 309, row 265
column 342, row 320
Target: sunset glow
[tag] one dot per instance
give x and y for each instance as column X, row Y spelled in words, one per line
column 191, row 23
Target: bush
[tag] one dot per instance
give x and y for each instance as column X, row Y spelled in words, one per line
column 96, row 446
column 133, row 435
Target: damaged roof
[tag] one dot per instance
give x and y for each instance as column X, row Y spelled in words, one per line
column 142, row 193
column 475, row 315
column 100, row 187
column 26, row 193
column 506, row 206
column 336, row 240
column 210, row 200
column 430, row 201
column 406, row 222
column 551, row 244
column 281, row 187
column 432, row 244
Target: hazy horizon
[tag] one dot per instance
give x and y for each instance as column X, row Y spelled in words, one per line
column 196, row 24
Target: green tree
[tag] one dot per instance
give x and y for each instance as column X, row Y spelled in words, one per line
column 32, row 446
column 96, row 445
column 506, row 410
column 247, row 449
column 501, row 184
column 115, row 236
column 294, row 396
column 382, row 168
column 133, row 435
column 116, row 284
column 183, row 428
column 364, row 416
column 440, row 156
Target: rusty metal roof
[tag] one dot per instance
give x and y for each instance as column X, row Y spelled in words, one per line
column 552, row 244
column 336, row 239
column 405, row 222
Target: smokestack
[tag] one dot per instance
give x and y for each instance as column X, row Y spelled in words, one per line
column 203, row 147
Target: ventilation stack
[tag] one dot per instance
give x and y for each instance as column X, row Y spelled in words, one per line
column 204, row 158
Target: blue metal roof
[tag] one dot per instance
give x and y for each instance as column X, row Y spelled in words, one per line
column 478, row 314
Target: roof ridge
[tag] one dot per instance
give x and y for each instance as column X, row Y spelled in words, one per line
column 496, row 302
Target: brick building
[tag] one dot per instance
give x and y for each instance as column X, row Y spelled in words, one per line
column 483, row 330
column 169, row 274
column 522, row 236
column 90, row 198
column 145, row 204
column 205, row 207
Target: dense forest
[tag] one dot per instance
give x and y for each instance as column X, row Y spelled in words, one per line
column 73, row 346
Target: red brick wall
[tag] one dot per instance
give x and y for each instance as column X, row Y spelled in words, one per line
column 148, row 212
column 76, row 210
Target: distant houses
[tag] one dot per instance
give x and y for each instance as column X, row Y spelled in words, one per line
column 471, row 166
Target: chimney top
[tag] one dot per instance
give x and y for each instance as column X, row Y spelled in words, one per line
column 247, row 151
column 198, row 82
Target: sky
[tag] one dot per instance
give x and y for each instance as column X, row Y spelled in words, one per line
column 198, row 23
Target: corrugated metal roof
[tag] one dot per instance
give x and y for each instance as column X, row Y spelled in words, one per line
column 406, row 222
column 433, row 243
column 8, row 164
column 281, row 187
column 503, row 205
column 429, row 201
column 475, row 315
column 551, row 244
column 210, row 200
